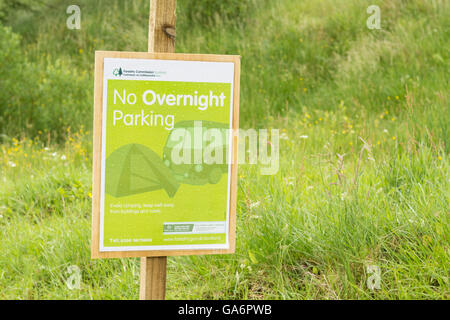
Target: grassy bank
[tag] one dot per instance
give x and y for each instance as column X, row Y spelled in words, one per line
column 364, row 168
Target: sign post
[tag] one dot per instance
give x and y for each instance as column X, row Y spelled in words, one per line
column 164, row 153
column 162, row 20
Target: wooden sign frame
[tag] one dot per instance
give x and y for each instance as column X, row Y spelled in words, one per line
column 97, row 156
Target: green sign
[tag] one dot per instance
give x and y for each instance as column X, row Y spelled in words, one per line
column 166, row 150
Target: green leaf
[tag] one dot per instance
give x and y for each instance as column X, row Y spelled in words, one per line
column 252, row 257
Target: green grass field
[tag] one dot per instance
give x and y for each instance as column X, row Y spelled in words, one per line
column 364, row 163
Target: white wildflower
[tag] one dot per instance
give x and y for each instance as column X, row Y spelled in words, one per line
column 303, row 137
column 12, row 164
column 63, row 157
column 254, row 204
column 289, row 181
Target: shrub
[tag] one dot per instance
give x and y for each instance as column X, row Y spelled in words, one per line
column 205, row 12
column 40, row 97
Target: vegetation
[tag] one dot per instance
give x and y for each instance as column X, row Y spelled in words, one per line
column 364, row 169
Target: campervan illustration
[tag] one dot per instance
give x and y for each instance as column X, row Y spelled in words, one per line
column 197, row 173
column 134, row 168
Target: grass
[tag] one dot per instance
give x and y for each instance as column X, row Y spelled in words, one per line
column 364, row 168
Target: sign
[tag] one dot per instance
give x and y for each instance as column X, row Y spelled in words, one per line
column 165, row 154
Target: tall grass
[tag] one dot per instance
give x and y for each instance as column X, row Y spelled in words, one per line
column 364, row 169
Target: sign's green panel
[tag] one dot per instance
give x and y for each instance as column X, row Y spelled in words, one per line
column 166, row 144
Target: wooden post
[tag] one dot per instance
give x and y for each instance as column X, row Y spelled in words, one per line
column 153, row 278
column 161, row 38
column 162, row 21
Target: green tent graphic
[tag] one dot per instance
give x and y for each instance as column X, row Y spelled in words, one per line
column 133, row 169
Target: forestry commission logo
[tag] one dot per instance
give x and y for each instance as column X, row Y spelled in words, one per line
column 117, row 72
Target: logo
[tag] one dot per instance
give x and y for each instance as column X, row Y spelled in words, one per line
column 73, row 281
column 117, row 72
column 374, row 281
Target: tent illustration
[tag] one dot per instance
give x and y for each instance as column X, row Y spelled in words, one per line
column 133, row 169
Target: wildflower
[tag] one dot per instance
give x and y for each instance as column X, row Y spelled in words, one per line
column 90, row 195
column 393, row 137
column 63, row 157
column 12, row 164
column 385, row 131
column 254, row 204
column 284, row 136
column 439, row 158
column 303, row 137
column 289, row 181
column 54, row 154
column 80, row 51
